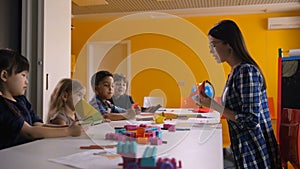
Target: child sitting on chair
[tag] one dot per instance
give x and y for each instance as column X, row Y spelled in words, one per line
column 102, row 83
column 120, row 98
column 18, row 122
column 65, row 95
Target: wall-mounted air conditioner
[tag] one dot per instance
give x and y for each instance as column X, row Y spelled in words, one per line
column 284, row 22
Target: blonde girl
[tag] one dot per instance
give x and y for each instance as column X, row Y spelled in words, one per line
column 63, row 100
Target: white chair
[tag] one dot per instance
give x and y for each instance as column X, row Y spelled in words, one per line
column 153, row 101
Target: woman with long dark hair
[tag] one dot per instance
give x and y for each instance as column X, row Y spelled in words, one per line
column 244, row 100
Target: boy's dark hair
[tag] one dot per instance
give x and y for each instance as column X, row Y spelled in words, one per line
column 12, row 62
column 99, row 76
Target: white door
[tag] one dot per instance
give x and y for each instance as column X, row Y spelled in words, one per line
column 57, row 46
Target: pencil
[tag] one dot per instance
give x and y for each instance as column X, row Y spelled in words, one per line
column 97, row 146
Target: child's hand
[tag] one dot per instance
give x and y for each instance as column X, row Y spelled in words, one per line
column 130, row 114
column 107, row 120
column 75, row 129
column 137, row 108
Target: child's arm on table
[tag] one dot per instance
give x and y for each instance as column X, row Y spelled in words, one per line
column 39, row 131
column 128, row 115
column 50, row 125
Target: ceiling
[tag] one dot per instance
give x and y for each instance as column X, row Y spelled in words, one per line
column 106, row 8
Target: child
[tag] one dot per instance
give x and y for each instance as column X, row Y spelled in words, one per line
column 123, row 100
column 120, row 98
column 65, row 95
column 18, row 122
column 102, row 84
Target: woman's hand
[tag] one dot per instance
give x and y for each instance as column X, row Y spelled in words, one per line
column 203, row 100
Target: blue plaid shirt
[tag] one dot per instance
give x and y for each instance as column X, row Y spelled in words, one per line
column 102, row 107
column 252, row 138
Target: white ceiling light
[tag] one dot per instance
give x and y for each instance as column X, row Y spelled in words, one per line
column 90, row 2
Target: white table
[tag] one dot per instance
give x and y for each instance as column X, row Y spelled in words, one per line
column 198, row 148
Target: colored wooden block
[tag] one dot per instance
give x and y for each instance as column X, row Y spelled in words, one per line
column 155, row 141
column 172, row 128
column 120, row 130
column 131, row 127
column 142, row 140
column 131, row 134
column 140, row 132
column 149, row 157
column 159, row 134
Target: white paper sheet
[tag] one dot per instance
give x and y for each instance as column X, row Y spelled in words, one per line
column 90, row 159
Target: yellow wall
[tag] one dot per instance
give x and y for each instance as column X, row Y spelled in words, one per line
column 167, row 52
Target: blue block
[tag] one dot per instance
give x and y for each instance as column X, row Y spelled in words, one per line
column 148, row 162
column 120, row 147
column 121, row 130
column 126, row 147
column 149, row 157
column 133, row 147
column 159, row 134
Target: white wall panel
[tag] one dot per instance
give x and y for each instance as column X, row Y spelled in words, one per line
column 57, row 46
